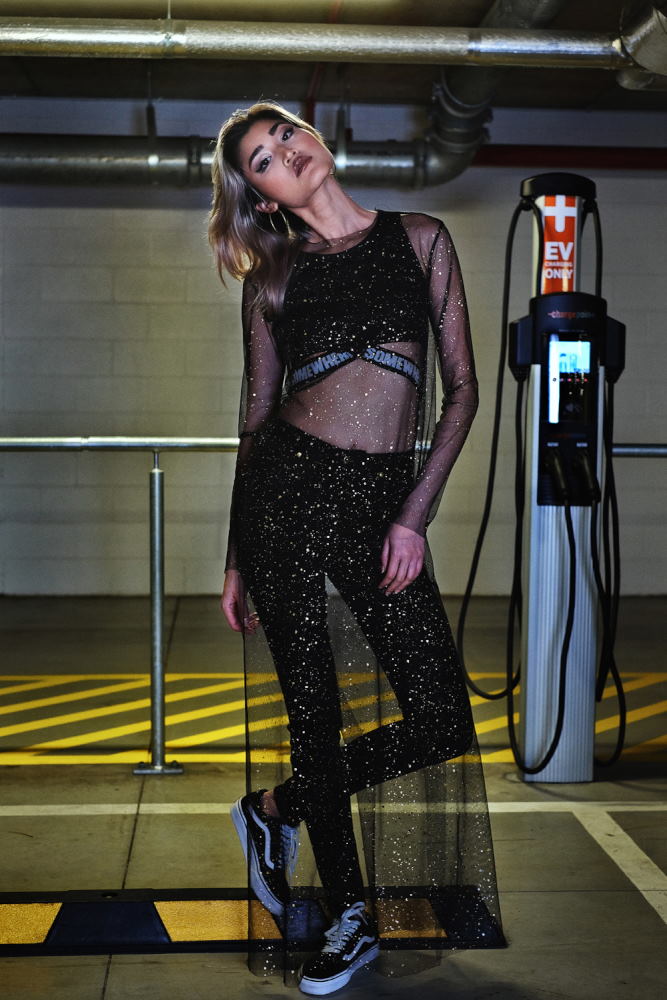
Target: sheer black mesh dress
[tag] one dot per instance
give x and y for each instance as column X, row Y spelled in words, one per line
column 341, row 438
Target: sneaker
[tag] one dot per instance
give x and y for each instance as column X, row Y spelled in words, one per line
column 351, row 942
column 273, row 851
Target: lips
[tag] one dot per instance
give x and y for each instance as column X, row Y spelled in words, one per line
column 299, row 163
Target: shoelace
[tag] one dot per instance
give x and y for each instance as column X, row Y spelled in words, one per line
column 343, row 928
column 289, row 846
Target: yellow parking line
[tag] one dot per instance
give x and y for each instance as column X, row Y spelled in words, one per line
column 497, row 756
column 116, row 675
column 58, row 699
column 227, row 732
column 657, row 744
column 126, row 706
column 491, row 725
column 636, row 715
column 139, row 756
column 647, row 680
column 34, row 685
column 213, row 735
column 116, row 731
column 45, row 682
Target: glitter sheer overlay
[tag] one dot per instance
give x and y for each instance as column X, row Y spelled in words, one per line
column 356, row 706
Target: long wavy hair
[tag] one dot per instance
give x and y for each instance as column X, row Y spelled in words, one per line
column 245, row 241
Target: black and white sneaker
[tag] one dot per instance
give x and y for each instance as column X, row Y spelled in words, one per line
column 351, row 942
column 273, row 850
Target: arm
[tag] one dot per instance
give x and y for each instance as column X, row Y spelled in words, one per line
column 451, row 327
column 261, row 387
column 403, row 549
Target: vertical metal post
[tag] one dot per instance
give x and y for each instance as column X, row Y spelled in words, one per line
column 157, row 764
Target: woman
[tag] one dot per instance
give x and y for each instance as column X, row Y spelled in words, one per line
column 343, row 310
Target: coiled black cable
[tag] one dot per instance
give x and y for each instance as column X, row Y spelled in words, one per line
column 609, row 590
column 525, row 205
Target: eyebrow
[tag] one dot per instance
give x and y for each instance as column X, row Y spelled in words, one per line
column 255, row 151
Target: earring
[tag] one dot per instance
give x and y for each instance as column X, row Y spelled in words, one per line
column 285, row 223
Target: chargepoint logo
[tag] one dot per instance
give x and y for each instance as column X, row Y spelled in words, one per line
column 557, row 314
column 559, row 216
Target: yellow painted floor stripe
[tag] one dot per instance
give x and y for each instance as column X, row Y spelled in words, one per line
column 59, row 699
column 36, row 685
column 635, row 715
column 641, row 752
column 126, row 706
column 491, row 725
column 647, row 680
column 144, row 703
column 117, row 675
column 634, row 681
column 658, row 744
column 228, row 732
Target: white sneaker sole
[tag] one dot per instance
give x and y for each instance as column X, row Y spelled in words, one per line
column 321, row 987
column 257, row 883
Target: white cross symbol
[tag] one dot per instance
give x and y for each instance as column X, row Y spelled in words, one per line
column 560, row 212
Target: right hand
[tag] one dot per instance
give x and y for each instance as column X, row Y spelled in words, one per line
column 235, row 605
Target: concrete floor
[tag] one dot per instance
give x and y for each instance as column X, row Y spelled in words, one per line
column 581, row 868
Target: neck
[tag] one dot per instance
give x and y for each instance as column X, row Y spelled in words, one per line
column 331, row 213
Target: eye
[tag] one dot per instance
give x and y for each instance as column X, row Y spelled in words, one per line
column 263, row 164
column 288, row 132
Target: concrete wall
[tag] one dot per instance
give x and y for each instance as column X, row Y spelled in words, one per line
column 114, row 323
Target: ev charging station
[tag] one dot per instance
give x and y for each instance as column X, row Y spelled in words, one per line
column 562, row 348
column 565, row 355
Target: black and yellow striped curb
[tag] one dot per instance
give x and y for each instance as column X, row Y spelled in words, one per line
column 145, row 920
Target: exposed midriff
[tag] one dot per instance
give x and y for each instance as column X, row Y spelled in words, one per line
column 351, row 408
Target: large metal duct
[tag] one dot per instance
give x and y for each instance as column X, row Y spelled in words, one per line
column 460, row 109
column 290, row 41
column 644, row 41
column 463, row 96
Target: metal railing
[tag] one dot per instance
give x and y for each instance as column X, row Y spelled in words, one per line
column 156, row 445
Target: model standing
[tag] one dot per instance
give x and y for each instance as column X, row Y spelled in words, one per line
column 341, row 305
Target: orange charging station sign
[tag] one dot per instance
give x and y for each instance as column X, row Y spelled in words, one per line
column 559, row 221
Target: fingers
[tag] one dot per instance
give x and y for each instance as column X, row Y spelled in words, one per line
column 239, row 621
column 400, row 574
column 250, row 622
column 402, row 569
column 235, row 608
column 384, row 557
column 402, row 558
column 229, row 608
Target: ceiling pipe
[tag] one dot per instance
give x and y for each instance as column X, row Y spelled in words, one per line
column 95, row 159
column 285, row 41
column 461, row 109
column 462, row 99
column 186, row 162
column 643, row 39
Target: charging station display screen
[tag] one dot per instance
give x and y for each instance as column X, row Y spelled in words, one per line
column 569, row 371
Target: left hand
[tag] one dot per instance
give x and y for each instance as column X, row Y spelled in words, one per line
column 402, row 558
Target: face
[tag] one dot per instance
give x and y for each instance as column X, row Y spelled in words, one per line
column 285, row 164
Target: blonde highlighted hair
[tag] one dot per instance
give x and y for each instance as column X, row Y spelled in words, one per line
column 246, row 242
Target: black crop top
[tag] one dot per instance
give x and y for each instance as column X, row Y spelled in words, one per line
column 325, row 323
column 353, row 356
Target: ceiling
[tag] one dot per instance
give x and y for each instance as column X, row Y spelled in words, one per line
column 292, row 81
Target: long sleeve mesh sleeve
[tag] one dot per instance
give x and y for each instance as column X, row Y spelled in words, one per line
column 455, row 360
column 263, row 371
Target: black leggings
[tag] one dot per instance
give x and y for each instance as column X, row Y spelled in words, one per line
column 309, row 508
